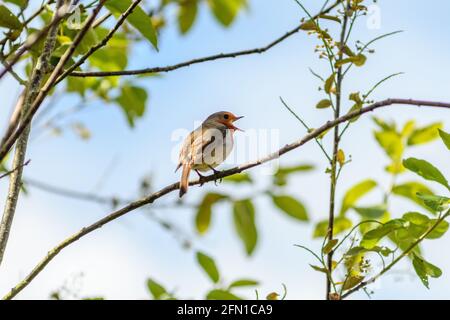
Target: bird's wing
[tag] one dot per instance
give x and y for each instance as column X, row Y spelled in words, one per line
column 193, row 146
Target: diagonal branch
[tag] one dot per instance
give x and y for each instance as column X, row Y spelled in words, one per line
column 7, row 173
column 170, row 188
column 204, row 59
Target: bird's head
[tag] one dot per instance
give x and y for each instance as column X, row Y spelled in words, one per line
column 222, row 118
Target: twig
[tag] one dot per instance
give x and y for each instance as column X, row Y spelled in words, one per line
column 15, row 169
column 307, row 128
column 199, row 60
column 175, row 186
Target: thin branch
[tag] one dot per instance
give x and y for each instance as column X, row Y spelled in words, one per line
column 175, row 186
column 74, row 194
column 14, row 169
column 319, row 143
column 43, row 92
column 336, row 140
column 199, row 60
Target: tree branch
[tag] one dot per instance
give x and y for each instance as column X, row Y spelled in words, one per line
column 40, row 70
column 170, row 188
column 201, row 60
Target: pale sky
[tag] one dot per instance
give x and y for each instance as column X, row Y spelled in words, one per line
column 117, row 259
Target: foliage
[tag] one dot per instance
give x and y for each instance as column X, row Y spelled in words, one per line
column 244, row 213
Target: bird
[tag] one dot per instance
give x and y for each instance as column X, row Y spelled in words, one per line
column 207, row 146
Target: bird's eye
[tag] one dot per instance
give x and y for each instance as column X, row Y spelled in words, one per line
column 225, row 116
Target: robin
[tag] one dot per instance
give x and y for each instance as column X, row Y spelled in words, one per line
column 207, row 146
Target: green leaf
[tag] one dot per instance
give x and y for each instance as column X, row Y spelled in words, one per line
column 355, row 107
column 21, row 3
column 445, row 138
column 290, row 206
column 89, row 40
column 157, row 290
column 384, row 125
column 319, row 269
column 132, row 100
column 385, row 251
column 8, row 19
column 114, row 56
column 138, row 19
column 355, row 193
column 425, row 134
column 238, row 178
column 426, row 170
column 408, row 128
column 187, row 12
column 352, row 282
column 436, row 203
column 340, row 224
column 371, row 238
column 280, row 176
column 329, row 83
column 409, row 190
column 373, row 212
column 391, row 142
column 209, row 266
column 329, row 246
column 323, row 104
column 243, row 283
column 358, row 60
column 425, row 269
column 439, row 230
column 219, row 294
column 329, row 17
column 244, row 222
column 204, row 211
column 345, row 49
column 272, row 296
column 225, row 11
column 309, row 25
column 355, row 97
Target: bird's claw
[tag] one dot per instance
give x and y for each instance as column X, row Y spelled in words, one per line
column 201, row 178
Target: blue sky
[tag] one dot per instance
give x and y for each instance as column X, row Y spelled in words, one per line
column 117, row 259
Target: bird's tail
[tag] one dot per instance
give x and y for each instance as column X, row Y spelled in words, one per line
column 184, row 182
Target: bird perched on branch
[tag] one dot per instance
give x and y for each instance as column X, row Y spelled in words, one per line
column 207, row 146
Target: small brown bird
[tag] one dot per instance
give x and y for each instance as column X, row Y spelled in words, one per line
column 207, row 146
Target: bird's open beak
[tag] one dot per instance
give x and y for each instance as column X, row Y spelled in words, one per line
column 232, row 126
